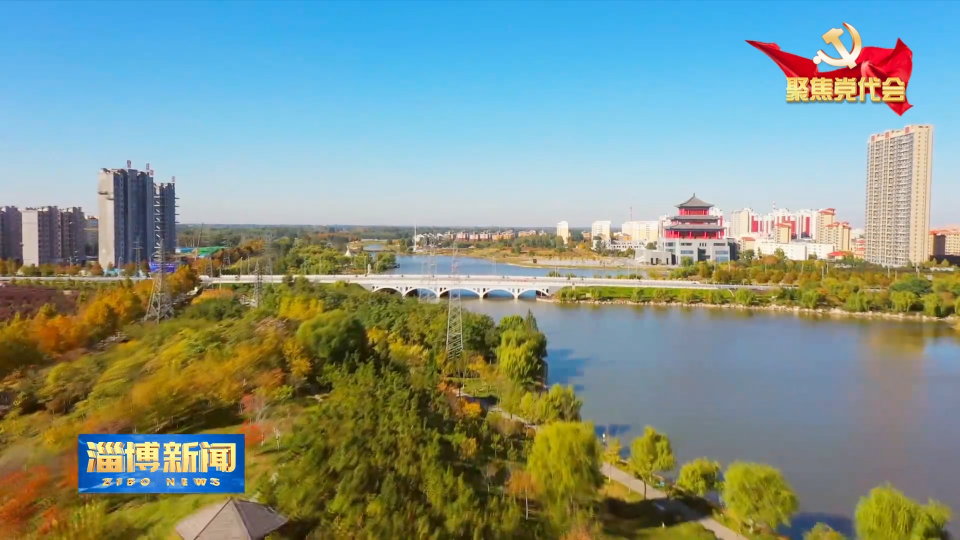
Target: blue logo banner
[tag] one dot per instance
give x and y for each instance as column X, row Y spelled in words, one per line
column 161, row 463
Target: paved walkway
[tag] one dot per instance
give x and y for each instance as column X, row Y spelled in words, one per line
column 722, row 532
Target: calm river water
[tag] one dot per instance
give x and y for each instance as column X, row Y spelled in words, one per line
column 839, row 405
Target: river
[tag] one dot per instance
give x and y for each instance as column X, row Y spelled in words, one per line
column 839, row 405
column 472, row 266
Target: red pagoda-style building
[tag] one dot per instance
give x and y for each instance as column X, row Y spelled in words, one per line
column 694, row 235
column 694, row 221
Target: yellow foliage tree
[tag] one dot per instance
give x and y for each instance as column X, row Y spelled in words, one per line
column 300, row 308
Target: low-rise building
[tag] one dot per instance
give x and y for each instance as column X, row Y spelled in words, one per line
column 858, row 247
column 945, row 242
column 653, row 257
column 795, row 251
column 624, row 245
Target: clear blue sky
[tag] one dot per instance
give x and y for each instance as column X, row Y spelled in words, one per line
column 495, row 113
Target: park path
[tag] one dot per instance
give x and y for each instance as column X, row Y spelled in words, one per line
column 722, row 532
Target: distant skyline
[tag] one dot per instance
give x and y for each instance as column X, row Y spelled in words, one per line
column 455, row 114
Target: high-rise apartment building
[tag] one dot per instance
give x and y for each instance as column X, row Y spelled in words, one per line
column 563, row 231
column 73, row 238
column 899, row 172
column 92, row 230
column 42, row 237
column 601, row 229
column 166, row 216
column 128, row 222
column 11, row 234
column 825, row 218
column 641, row 231
column 838, row 235
column 741, row 223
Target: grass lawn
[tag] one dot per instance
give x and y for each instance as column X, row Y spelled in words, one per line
column 624, row 514
column 157, row 515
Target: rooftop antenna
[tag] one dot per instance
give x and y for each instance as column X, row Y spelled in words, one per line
column 173, row 179
column 129, row 164
column 631, row 213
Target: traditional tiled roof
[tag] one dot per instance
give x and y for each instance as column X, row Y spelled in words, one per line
column 693, row 227
column 694, row 218
column 694, row 202
column 231, row 519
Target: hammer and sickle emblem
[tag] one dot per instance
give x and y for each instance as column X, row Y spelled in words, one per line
column 847, row 58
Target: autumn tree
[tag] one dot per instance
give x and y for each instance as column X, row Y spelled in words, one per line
column 886, row 513
column 758, row 494
column 699, row 477
column 564, row 462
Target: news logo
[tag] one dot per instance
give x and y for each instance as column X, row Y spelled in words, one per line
column 881, row 74
column 160, row 463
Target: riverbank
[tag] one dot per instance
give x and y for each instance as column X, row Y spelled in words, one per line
column 614, row 473
column 823, row 313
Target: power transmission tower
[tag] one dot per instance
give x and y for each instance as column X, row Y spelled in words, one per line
column 455, row 322
column 258, row 285
column 429, row 269
column 160, row 306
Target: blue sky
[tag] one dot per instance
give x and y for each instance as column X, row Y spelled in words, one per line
column 498, row 113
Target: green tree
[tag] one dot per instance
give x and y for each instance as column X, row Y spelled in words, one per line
column 334, row 336
column 758, row 494
column 611, row 454
column 745, row 297
column 373, row 460
column 564, row 462
column 811, row 299
column 650, row 453
column 747, row 255
column 887, row 514
column 520, row 355
column 903, row 301
column 699, row 477
column 933, row 305
column 911, row 283
column 822, row 531
column 857, row 302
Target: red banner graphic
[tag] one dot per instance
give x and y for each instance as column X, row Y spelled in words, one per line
column 872, row 62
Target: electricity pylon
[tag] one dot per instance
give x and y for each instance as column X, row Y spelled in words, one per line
column 160, row 306
column 455, row 323
column 429, row 269
column 258, row 285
